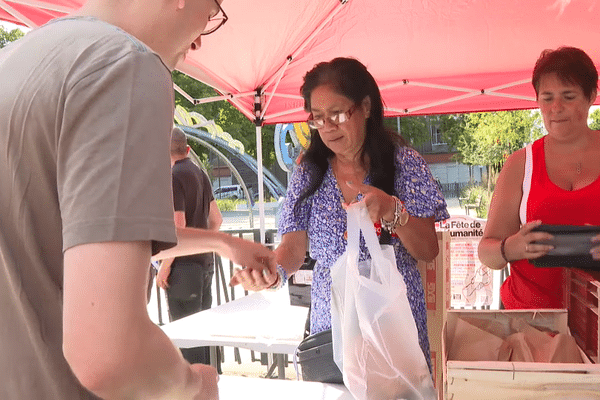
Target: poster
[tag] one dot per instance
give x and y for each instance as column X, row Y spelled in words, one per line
column 472, row 284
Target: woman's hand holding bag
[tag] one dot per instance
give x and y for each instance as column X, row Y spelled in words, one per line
column 375, row 338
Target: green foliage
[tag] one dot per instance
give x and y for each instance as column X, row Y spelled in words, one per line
column 200, row 159
column 226, row 116
column 595, row 117
column 229, row 204
column 489, row 138
column 413, row 129
column 416, row 130
column 452, row 126
column 473, row 193
column 9, row 36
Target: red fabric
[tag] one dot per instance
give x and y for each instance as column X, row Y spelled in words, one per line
column 429, row 57
column 532, row 287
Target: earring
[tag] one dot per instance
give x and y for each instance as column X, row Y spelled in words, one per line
column 181, row 4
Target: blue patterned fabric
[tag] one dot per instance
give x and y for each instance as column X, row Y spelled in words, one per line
column 324, row 219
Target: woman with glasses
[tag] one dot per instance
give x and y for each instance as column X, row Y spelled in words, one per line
column 352, row 157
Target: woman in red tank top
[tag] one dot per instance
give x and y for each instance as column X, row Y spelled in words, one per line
column 556, row 180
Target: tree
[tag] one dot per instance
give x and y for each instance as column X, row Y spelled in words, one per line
column 9, row 36
column 413, row 129
column 489, row 138
column 226, row 116
column 417, row 129
column 595, row 117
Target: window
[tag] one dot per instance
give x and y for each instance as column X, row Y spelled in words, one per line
column 436, row 135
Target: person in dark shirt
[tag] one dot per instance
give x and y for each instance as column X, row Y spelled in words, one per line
column 188, row 279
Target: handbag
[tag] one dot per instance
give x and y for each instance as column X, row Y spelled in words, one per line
column 375, row 338
column 315, row 357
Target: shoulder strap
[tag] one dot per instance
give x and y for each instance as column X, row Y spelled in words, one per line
column 526, row 182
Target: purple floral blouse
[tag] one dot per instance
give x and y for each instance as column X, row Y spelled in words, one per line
column 321, row 215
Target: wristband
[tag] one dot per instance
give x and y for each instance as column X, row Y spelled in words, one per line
column 281, row 279
column 401, row 216
column 502, row 250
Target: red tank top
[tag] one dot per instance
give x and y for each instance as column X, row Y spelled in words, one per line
column 528, row 286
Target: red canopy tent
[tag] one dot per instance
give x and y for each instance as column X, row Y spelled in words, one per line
column 428, row 56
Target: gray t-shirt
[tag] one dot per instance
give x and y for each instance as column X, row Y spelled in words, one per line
column 86, row 113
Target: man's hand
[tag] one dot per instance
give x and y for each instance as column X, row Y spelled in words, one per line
column 257, row 263
column 249, row 254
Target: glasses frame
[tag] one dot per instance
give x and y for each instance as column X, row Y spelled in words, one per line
column 334, row 119
column 220, row 24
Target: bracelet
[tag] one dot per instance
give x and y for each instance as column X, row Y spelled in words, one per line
column 502, row 250
column 401, row 217
column 281, row 279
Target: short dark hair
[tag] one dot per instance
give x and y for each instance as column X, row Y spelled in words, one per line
column 178, row 142
column 571, row 65
column 350, row 78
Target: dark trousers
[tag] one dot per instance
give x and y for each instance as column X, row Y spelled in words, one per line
column 199, row 299
column 190, row 291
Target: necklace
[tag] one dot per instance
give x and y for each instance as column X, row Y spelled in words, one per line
column 578, row 169
column 341, row 177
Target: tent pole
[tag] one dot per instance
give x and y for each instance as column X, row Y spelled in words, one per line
column 259, row 161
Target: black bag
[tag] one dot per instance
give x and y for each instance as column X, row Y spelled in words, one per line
column 572, row 246
column 315, row 356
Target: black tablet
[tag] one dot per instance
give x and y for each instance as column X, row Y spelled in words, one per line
column 572, row 245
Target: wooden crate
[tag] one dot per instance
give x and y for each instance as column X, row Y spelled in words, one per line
column 582, row 294
column 436, row 283
column 491, row 380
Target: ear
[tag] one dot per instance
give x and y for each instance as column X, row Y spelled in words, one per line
column 366, row 105
column 593, row 97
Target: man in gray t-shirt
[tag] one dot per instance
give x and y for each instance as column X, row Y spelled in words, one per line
column 86, row 110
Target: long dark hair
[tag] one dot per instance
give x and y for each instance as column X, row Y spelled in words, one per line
column 350, row 78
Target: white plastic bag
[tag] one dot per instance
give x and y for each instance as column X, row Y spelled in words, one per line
column 375, row 339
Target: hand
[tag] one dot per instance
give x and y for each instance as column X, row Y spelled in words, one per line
column 257, row 262
column 378, row 203
column 596, row 250
column 521, row 245
column 253, row 279
column 162, row 278
column 207, row 378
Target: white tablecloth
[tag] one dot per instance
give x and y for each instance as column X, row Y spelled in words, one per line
column 262, row 322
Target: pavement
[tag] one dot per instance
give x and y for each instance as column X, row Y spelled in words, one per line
column 454, row 207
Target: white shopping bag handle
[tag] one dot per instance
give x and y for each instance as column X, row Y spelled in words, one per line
column 359, row 220
column 353, row 229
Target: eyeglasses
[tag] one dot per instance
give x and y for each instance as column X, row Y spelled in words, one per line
column 335, row 118
column 215, row 22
